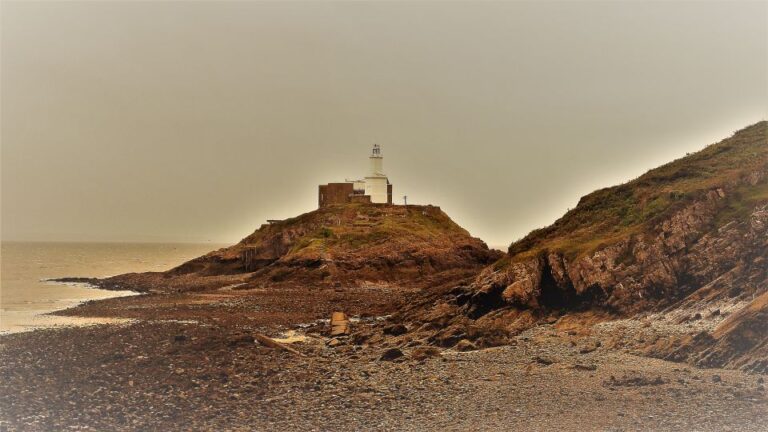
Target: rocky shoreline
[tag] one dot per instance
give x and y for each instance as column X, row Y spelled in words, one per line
column 192, row 361
column 169, row 375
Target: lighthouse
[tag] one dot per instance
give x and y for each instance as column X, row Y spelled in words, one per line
column 377, row 161
column 376, row 183
column 374, row 188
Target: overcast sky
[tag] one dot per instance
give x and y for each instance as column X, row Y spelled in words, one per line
column 146, row 121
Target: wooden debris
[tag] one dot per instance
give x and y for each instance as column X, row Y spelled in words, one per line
column 271, row 343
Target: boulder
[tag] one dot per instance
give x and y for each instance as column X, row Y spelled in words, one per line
column 391, row 354
column 395, row 330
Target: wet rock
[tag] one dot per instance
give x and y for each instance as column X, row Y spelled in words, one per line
column 360, row 338
column 395, row 330
column 391, row 354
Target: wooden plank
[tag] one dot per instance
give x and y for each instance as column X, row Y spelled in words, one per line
column 271, row 343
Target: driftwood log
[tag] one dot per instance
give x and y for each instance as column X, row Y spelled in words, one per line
column 271, row 343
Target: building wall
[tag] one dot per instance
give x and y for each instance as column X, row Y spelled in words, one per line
column 377, row 165
column 334, row 193
column 377, row 189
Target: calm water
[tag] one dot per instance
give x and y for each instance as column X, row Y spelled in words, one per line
column 24, row 297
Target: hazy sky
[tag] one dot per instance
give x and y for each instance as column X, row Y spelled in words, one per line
column 145, row 121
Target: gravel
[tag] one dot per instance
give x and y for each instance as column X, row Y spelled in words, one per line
column 177, row 376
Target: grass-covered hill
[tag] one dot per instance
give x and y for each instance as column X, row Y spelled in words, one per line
column 358, row 241
column 342, row 245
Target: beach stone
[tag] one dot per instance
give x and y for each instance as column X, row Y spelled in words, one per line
column 465, row 345
column 395, row 330
column 589, row 347
column 546, row 361
column 391, row 354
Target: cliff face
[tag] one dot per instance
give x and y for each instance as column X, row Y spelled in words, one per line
column 689, row 251
column 690, row 233
column 650, row 242
column 332, row 246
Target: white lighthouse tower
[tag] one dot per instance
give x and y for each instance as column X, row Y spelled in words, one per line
column 376, row 183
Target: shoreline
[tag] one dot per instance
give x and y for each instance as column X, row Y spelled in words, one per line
column 152, row 375
column 25, row 320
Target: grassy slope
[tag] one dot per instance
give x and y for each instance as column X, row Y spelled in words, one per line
column 366, row 226
column 611, row 214
column 351, row 227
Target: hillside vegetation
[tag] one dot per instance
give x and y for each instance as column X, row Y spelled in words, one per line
column 611, row 214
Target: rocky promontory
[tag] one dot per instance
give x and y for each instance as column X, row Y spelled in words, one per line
column 689, row 236
column 337, row 246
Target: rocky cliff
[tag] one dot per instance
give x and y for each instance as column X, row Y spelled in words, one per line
column 691, row 233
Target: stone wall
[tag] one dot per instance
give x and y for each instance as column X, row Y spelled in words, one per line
column 342, row 193
column 334, row 193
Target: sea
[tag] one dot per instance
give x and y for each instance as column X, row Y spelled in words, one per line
column 26, row 297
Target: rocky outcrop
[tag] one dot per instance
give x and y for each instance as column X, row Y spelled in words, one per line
column 740, row 341
column 689, row 234
column 341, row 245
column 640, row 272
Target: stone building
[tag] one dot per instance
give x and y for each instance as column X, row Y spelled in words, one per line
column 373, row 188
